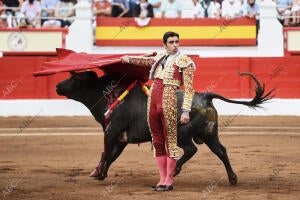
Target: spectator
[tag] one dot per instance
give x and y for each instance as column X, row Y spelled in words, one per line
column 133, row 4
column 63, row 11
column 284, row 11
column 48, row 7
column 144, row 9
column 156, row 4
column 170, row 9
column 144, row 13
column 102, row 8
column 195, row 3
column 295, row 12
column 120, row 8
column 13, row 6
column 220, row 2
column 252, row 11
column 31, row 14
column 3, row 22
column 12, row 11
column 207, row 8
column 214, row 9
column 1, row 7
column 201, row 9
column 231, row 9
column 244, row 3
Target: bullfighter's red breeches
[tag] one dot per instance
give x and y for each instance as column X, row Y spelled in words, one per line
column 162, row 118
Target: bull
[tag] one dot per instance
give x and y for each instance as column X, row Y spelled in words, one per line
column 128, row 121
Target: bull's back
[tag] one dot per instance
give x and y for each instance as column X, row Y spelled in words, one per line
column 199, row 100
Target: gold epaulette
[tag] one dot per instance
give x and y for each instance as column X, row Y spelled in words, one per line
column 183, row 61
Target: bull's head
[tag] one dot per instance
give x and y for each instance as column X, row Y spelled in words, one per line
column 77, row 85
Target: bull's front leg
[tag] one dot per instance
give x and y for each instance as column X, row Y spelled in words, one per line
column 98, row 170
column 115, row 153
column 113, row 147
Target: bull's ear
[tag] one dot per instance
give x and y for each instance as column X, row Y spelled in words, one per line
column 72, row 73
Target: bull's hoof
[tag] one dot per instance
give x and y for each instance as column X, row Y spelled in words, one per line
column 233, row 180
column 101, row 177
column 177, row 171
column 95, row 173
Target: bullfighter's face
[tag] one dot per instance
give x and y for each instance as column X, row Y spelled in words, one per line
column 172, row 45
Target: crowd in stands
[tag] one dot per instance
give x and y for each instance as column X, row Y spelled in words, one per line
column 36, row 13
column 288, row 10
column 60, row 13
column 143, row 9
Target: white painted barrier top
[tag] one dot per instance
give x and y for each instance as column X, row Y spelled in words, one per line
column 80, row 37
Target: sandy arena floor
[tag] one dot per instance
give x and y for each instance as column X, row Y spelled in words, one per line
column 50, row 158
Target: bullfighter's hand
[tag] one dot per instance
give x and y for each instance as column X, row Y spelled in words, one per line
column 185, row 117
column 125, row 59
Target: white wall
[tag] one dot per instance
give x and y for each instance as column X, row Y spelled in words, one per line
column 73, row 108
column 80, row 37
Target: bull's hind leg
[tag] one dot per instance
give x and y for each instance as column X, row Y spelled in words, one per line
column 189, row 150
column 215, row 146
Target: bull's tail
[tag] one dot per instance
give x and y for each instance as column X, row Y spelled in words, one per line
column 259, row 98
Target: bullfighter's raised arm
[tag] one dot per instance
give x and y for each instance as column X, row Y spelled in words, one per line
column 139, row 60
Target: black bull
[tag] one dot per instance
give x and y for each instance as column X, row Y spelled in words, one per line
column 129, row 120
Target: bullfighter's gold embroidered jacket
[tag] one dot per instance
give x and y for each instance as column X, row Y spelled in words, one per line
column 178, row 71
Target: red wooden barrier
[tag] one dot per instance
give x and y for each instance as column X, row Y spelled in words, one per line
column 213, row 74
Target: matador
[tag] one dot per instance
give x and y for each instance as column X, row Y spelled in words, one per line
column 169, row 71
